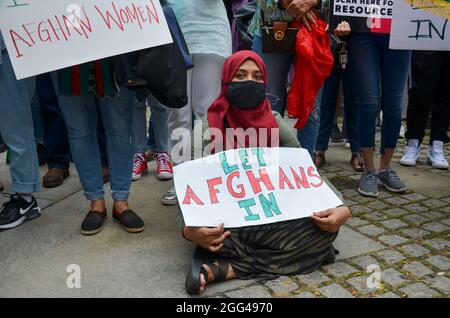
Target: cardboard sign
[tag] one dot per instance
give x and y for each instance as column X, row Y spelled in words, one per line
column 414, row 28
column 43, row 36
column 368, row 16
column 252, row 186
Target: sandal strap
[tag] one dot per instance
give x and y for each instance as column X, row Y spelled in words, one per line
column 220, row 270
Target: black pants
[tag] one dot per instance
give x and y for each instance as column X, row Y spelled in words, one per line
column 430, row 72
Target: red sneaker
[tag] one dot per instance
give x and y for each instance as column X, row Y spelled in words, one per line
column 139, row 166
column 164, row 171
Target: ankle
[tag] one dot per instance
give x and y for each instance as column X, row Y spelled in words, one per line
column 98, row 205
column 120, row 206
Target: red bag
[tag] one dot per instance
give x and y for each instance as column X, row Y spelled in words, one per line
column 314, row 63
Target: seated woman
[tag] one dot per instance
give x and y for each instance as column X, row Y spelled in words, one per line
column 261, row 252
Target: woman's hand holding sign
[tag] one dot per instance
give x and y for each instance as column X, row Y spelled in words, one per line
column 209, row 238
column 331, row 220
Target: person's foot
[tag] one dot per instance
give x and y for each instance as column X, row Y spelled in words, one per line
column 412, row 153
column 93, row 222
column 391, row 181
column 164, row 170
column 55, row 177
column 129, row 221
column 170, row 197
column 41, row 153
column 105, row 174
column 140, row 166
column 18, row 210
column 320, row 159
column 436, row 156
column 336, row 134
column 368, row 184
column 3, row 147
column 217, row 271
column 403, row 129
column 356, row 162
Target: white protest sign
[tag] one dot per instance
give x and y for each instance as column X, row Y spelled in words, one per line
column 251, row 187
column 363, row 8
column 417, row 29
column 43, row 36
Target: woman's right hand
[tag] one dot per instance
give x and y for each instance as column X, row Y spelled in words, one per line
column 209, row 238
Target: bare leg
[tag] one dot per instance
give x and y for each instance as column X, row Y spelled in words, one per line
column 367, row 154
column 98, row 205
column 386, row 158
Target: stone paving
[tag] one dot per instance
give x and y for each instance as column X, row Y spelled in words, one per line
column 413, row 228
column 402, row 239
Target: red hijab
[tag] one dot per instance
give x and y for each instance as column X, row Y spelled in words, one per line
column 222, row 112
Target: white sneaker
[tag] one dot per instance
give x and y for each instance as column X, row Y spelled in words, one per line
column 412, row 153
column 436, row 156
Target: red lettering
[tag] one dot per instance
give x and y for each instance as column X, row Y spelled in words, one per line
column 255, row 182
column 14, row 37
column 300, row 181
column 152, row 12
column 85, row 25
column 134, row 15
column 311, row 173
column 67, row 21
column 212, row 190
column 109, row 17
column 241, row 193
column 60, row 28
column 285, row 180
column 190, row 195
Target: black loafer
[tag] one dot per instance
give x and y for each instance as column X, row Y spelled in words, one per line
column 130, row 221
column 93, row 223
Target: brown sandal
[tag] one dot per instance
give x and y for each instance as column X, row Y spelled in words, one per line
column 320, row 159
column 357, row 163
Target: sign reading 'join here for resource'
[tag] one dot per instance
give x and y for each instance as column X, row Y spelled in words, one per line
column 43, row 36
column 251, row 187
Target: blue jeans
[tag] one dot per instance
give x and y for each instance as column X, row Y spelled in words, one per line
column 158, row 139
column 328, row 108
column 80, row 113
column 16, row 127
column 54, row 128
column 278, row 67
column 380, row 79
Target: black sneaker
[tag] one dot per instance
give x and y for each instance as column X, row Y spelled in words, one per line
column 336, row 134
column 3, row 147
column 17, row 210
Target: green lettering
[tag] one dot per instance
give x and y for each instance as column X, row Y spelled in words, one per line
column 259, row 152
column 269, row 205
column 246, row 204
column 226, row 167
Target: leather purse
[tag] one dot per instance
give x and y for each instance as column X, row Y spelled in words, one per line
column 277, row 38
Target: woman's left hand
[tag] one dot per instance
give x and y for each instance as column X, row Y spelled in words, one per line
column 343, row 29
column 331, row 220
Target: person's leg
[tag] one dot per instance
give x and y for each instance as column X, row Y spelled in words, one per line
column 164, row 169
column 394, row 71
column 206, row 82
column 117, row 115
column 151, row 142
column 308, row 134
column 440, row 119
column 278, row 66
column 425, row 75
column 17, row 132
column 441, row 111
column 16, row 128
column 55, row 131
column 328, row 109
column 140, row 166
column 365, row 55
column 80, row 114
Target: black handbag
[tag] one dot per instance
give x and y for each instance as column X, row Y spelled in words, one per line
column 164, row 67
column 278, row 38
column 243, row 17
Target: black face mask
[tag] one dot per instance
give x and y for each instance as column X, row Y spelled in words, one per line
column 246, row 95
